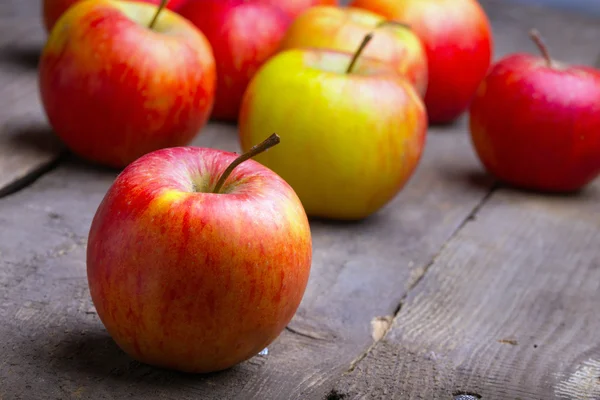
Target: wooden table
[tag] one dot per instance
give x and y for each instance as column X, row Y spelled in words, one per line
column 459, row 289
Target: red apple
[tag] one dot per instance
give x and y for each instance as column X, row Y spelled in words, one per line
column 535, row 122
column 243, row 36
column 53, row 9
column 189, row 276
column 113, row 89
column 458, row 38
column 293, row 8
column 343, row 29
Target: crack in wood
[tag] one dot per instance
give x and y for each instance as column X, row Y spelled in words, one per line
column 306, row 334
column 469, row 218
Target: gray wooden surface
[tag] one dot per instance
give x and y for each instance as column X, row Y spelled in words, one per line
column 458, row 289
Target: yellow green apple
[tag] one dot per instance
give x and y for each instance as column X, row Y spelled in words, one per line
column 352, row 129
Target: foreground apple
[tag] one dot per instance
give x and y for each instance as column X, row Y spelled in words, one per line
column 53, row 9
column 352, row 131
column 458, row 38
column 120, row 90
column 535, row 122
column 343, row 29
column 243, row 36
column 194, row 271
column 293, row 8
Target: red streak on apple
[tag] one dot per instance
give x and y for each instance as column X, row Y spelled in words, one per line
column 52, row 10
column 293, row 8
column 192, row 280
column 537, row 126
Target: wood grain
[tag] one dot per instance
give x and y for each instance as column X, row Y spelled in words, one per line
column 28, row 147
column 54, row 345
column 509, row 310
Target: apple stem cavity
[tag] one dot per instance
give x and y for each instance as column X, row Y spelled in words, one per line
column 259, row 148
column 161, row 7
column 539, row 42
column 359, row 51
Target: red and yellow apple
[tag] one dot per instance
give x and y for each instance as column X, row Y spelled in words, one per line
column 191, row 277
column 293, row 8
column 343, row 29
column 243, row 36
column 53, row 9
column 350, row 140
column 113, row 89
column 458, row 38
column 535, row 122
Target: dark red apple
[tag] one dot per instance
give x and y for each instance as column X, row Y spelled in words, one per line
column 243, row 36
column 535, row 122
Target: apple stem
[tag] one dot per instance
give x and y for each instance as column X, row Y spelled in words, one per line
column 259, row 148
column 359, row 51
column 162, row 5
column 393, row 23
column 539, row 42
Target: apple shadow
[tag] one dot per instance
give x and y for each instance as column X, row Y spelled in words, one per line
column 33, row 138
column 92, row 359
column 23, row 56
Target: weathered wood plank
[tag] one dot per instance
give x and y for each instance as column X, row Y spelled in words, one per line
column 27, row 144
column 509, row 308
column 54, row 345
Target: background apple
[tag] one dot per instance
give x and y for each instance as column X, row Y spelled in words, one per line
column 187, row 277
column 293, row 8
column 120, row 90
column 53, row 9
column 343, row 29
column 535, row 122
column 350, row 141
column 458, row 38
column 243, row 36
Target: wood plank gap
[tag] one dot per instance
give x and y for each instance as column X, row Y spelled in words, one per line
column 30, row 177
column 470, row 217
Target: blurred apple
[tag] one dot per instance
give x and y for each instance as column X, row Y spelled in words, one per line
column 294, row 8
column 343, row 29
column 53, row 9
column 352, row 129
column 243, row 36
column 194, row 269
column 113, row 89
column 458, row 38
column 535, row 122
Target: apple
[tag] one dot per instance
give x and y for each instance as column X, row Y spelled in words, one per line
column 458, row 38
column 53, row 9
column 196, row 266
column 535, row 122
column 341, row 28
column 114, row 89
column 243, row 36
column 293, row 8
column 352, row 129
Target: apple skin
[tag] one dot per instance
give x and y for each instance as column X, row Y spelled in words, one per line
column 538, row 127
column 458, row 38
column 114, row 90
column 293, row 8
column 195, row 281
column 349, row 142
column 343, row 29
column 243, row 36
column 53, row 9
